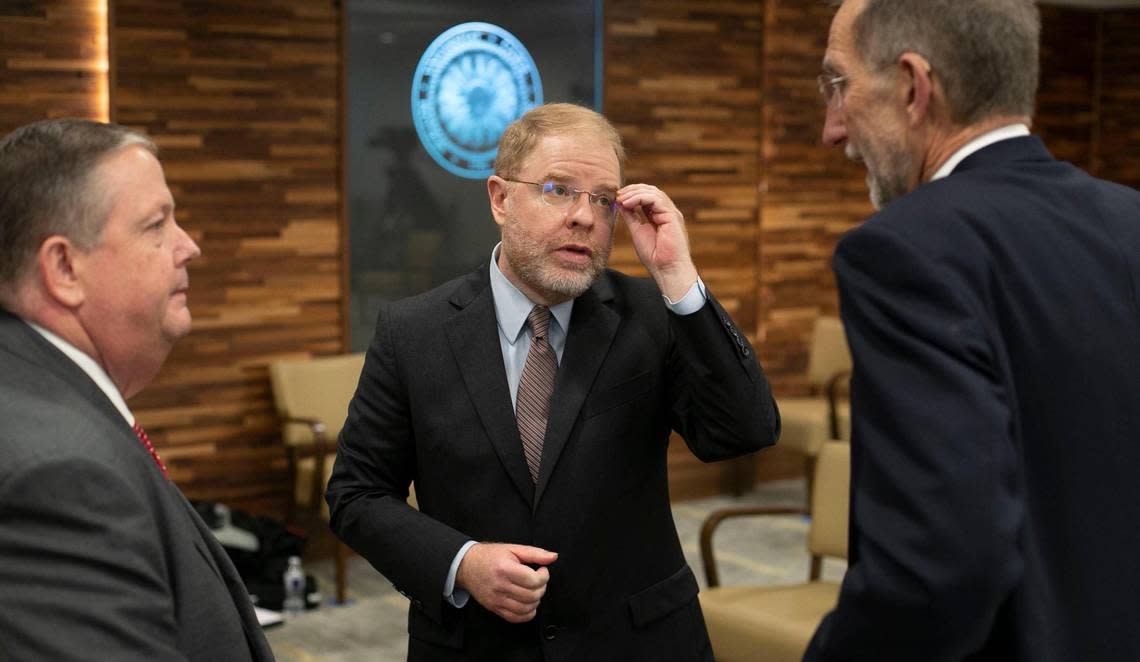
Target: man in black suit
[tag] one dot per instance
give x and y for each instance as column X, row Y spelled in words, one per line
column 993, row 315
column 549, row 510
column 101, row 557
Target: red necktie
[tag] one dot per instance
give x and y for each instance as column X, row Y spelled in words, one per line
column 141, row 434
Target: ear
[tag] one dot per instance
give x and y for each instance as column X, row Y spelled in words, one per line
column 497, row 193
column 58, row 271
column 916, row 72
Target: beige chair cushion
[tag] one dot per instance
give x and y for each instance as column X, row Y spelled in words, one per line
column 831, row 491
column 319, row 388
column 804, row 424
column 784, row 617
column 843, row 413
column 828, row 353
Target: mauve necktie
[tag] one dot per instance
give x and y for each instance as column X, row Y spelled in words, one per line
column 532, row 402
column 145, row 440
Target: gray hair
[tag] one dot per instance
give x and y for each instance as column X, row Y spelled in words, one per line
column 46, row 186
column 984, row 51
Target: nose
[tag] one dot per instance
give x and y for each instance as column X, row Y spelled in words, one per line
column 834, row 130
column 187, row 249
column 580, row 211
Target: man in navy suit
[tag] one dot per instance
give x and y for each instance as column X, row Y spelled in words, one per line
column 550, row 541
column 993, row 312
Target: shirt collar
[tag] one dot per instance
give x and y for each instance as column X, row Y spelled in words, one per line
column 984, row 140
column 89, row 366
column 512, row 306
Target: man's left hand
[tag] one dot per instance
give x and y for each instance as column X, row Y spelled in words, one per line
column 659, row 237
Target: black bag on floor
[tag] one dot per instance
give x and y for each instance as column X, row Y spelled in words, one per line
column 260, row 548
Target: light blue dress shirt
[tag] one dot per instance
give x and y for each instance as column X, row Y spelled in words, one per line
column 511, row 310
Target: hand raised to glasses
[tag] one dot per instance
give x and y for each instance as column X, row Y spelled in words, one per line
column 659, row 237
column 497, row 576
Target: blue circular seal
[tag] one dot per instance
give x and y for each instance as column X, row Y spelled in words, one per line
column 472, row 81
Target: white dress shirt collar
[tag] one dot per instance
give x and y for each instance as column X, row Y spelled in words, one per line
column 89, row 366
column 512, row 306
column 984, row 140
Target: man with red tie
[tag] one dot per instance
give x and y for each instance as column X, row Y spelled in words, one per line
column 101, row 557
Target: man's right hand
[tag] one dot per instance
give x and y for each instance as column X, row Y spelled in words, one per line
column 500, row 578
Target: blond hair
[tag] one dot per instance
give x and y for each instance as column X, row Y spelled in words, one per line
column 521, row 136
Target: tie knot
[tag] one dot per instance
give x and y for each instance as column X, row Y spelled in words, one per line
column 539, row 320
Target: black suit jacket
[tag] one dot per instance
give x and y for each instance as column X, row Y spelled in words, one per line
column 994, row 320
column 433, row 406
column 101, row 557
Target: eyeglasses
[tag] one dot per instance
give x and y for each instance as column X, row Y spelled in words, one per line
column 831, row 89
column 554, row 194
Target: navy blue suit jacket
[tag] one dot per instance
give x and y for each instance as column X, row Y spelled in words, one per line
column 994, row 320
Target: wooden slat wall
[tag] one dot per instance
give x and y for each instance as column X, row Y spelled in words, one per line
column 683, row 85
column 50, row 64
column 1066, row 98
column 242, row 99
column 1117, row 141
column 813, row 194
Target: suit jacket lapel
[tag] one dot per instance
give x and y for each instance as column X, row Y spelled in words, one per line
column 474, row 337
column 593, row 326
column 220, row 562
column 25, row 342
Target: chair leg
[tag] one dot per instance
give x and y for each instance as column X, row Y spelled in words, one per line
column 341, row 572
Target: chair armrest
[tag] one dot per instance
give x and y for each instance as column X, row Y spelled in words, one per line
column 833, row 388
column 318, row 451
column 713, row 520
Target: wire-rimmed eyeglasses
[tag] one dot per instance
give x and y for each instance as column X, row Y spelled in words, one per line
column 555, row 194
column 831, row 89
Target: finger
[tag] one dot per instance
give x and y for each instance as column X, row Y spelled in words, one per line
column 519, row 607
column 650, row 199
column 536, row 555
column 523, row 576
column 520, row 593
column 512, row 617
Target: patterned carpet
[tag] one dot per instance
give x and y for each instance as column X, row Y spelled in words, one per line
column 372, row 627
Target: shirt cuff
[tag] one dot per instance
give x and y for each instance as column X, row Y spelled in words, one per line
column 693, row 300
column 457, row 597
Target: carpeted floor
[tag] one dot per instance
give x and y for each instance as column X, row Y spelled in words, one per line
column 372, row 627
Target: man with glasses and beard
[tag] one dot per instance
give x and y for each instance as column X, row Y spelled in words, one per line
column 531, row 404
column 993, row 312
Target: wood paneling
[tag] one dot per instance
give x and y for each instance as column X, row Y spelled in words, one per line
column 1066, row 98
column 52, row 61
column 683, row 84
column 813, row 194
column 1117, row 143
column 242, row 99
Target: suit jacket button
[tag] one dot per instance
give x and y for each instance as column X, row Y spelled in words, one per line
column 550, row 632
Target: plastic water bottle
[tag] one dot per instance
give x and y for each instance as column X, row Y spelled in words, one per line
column 294, row 581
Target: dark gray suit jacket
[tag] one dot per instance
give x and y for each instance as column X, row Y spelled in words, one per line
column 101, row 558
column 994, row 319
column 433, row 406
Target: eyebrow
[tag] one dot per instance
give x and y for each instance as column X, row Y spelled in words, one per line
column 165, row 208
column 565, row 179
